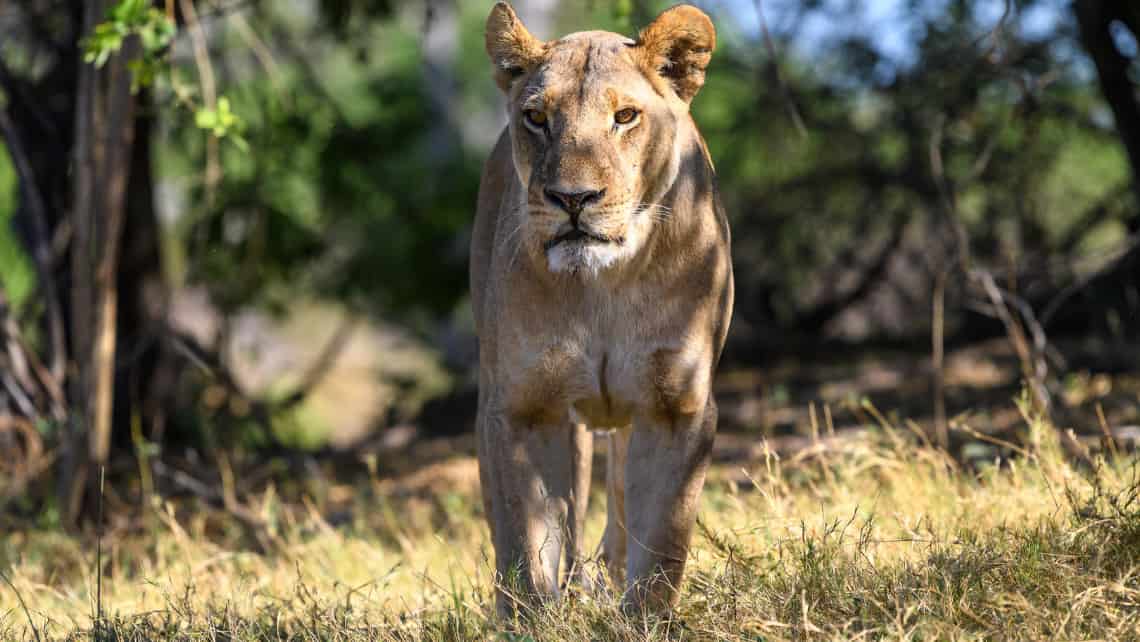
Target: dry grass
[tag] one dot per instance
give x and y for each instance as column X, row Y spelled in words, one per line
column 887, row 539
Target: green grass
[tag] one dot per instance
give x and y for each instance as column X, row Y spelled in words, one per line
column 885, row 538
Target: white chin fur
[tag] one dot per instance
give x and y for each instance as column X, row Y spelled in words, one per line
column 590, row 258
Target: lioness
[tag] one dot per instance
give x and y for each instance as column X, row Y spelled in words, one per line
column 602, row 290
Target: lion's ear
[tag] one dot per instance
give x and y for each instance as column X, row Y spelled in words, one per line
column 512, row 49
column 678, row 46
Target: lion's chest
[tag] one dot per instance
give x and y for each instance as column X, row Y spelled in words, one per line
column 605, row 382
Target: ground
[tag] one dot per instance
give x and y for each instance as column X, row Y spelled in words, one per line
column 828, row 514
column 874, row 535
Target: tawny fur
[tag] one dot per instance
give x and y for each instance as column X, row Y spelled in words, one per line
column 622, row 329
column 678, row 45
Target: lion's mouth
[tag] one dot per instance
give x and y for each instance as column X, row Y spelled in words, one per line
column 578, row 234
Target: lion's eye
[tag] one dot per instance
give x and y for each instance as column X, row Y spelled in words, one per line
column 535, row 117
column 625, row 116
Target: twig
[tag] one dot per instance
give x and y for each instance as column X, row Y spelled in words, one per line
column 937, row 339
column 99, row 554
column 14, row 370
column 209, row 94
column 41, row 248
column 187, row 482
column 223, row 10
column 1130, row 246
column 785, row 94
column 257, row 46
column 1094, row 214
column 1032, row 358
column 946, row 193
column 207, row 361
column 47, row 381
column 981, row 436
column 1110, row 440
column 17, row 90
column 995, row 34
column 27, row 408
column 211, row 364
column 253, row 523
column 23, row 606
column 324, row 362
column 302, row 59
column 825, row 311
column 33, row 444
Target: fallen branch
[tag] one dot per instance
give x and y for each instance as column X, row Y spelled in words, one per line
column 33, row 445
column 210, row 363
column 323, row 363
column 1031, row 357
column 253, row 523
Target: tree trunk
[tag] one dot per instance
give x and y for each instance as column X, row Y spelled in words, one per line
column 104, row 132
column 102, row 311
column 144, row 375
column 1095, row 18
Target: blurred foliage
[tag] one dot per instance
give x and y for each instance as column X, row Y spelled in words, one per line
column 341, row 193
column 17, row 278
column 851, row 138
column 365, row 149
column 1014, row 116
column 132, row 18
column 360, row 128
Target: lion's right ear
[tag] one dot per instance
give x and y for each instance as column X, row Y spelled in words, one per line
column 677, row 46
column 512, row 49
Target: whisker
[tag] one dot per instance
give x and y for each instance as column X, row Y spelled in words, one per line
column 509, row 236
column 657, row 212
column 512, row 237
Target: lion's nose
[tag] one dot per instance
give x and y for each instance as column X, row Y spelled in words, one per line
column 574, row 201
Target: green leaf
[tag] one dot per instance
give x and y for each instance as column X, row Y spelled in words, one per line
column 145, row 71
column 241, row 143
column 129, row 12
column 157, row 33
column 127, row 18
column 220, row 121
column 206, row 119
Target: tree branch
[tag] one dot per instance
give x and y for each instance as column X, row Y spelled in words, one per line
column 824, row 312
column 41, row 246
column 324, row 362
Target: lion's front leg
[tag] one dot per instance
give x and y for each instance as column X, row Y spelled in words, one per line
column 613, row 540
column 528, row 477
column 665, row 471
column 581, row 455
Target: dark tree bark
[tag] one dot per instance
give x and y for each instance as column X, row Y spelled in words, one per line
column 104, row 136
column 144, row 376
column 87, row 219
column 1095, row 18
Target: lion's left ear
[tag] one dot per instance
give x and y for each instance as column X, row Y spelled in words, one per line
column 678, row 46
column 512, row 49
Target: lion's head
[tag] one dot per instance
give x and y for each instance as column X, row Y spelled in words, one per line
column 593, row 127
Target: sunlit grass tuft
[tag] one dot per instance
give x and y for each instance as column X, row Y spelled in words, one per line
column 885, row 538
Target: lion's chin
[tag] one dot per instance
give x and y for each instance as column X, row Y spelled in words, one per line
column 583, row 257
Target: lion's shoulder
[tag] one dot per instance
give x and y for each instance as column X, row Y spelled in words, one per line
column 498, row 175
